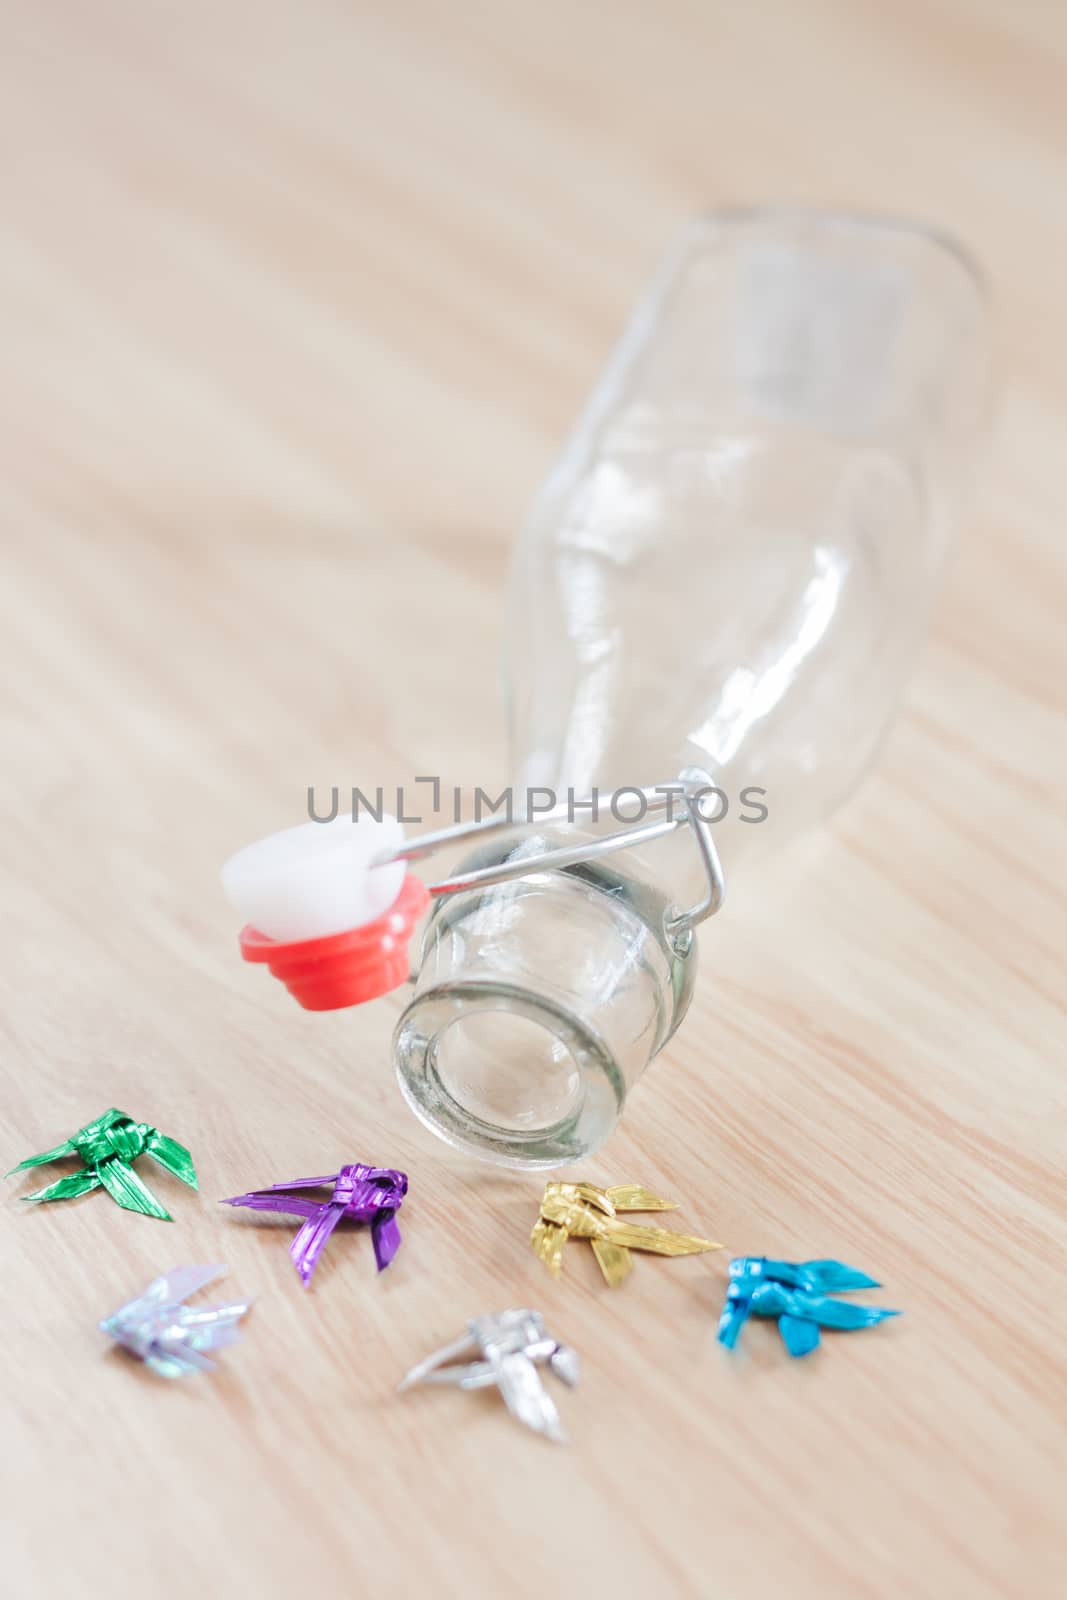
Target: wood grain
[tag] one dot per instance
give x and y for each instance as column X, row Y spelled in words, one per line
column 297, row 303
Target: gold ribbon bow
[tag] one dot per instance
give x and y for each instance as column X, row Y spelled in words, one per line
column 583, row 1211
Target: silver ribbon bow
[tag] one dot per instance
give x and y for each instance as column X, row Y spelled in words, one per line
column 508, row 1348
column 171, row 1337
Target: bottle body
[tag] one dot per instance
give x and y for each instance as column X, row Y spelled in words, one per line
column 733, row 561
column 729, row 568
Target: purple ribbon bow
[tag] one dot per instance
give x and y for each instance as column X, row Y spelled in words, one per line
column 368, row 1194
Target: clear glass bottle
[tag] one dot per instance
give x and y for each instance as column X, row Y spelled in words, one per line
column 728, row 571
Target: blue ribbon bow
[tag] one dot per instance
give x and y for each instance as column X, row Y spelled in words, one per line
column 798, row 1294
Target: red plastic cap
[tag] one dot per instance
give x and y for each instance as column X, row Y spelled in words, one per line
column 345, row 969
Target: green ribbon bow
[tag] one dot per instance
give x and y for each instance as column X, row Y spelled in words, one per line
column 106, row 1149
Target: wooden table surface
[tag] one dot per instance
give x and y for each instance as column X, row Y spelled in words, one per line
column 297, row 304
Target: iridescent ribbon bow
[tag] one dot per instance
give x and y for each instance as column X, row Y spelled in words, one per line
column 798, row 1294
column 367, row 1194
column 106, row 1148
column 511, row 1346
column 171, row 1337
column 583, row 1211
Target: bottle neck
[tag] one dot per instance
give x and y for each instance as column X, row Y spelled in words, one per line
column 537, row 1006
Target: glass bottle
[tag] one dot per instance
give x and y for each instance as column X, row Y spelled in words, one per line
column 726, row 575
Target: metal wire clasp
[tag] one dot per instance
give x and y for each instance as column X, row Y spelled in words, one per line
column 692, row 783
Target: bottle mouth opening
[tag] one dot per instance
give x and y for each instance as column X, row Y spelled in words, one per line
column 503, row 1074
